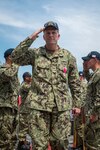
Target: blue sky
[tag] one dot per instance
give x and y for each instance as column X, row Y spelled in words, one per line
column 78, row 20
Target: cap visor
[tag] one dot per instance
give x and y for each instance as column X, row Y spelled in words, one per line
column 85, row 58
column 51, row 27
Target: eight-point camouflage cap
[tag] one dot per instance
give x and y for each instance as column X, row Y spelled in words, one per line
column 92, row 54
column 51, row 24
column 8, row 52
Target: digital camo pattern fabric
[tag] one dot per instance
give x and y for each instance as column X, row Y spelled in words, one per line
column 49, row 79
column 8, row 124
column 60, row 128
column 24, row 90
column 93, row 112
column 24, row 112
column 84, row 90
column 52, row 76
column 78, row 119
column 9, row 86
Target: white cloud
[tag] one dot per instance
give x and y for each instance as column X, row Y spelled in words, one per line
column 77, row 23
column 12, row 21
column 48, row 8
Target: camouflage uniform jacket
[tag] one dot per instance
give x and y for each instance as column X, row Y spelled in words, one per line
column 50, row 83
column 93, row 93
column 84, row 91
column 9, row 86
column 24, row 90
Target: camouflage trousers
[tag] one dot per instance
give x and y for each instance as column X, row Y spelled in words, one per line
column 8, row 124
column 23, row 126
column 48, row 127
column 92, row 135
column 23, row 131
column 79, row 130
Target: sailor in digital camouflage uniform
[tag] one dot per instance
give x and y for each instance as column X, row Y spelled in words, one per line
column 92, row 136
column 23, row 118
column 9, row 86
column 83, row 84
column 54, row 71
column 79, row 124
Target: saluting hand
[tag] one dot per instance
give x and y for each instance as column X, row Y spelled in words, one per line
column 35, row 34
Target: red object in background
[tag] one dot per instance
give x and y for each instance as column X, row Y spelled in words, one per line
column 49, row 147
column 31, row 147
column 93, row 118
column 64, row 69
column 19, row 100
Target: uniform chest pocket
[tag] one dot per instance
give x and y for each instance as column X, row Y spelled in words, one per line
column 42, row 70
column 62, row 64
column 43, row 66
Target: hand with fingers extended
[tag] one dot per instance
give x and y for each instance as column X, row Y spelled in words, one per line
column 36, row 33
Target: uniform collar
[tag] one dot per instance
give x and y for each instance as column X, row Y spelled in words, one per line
column 96, row 76
column 51, row 55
